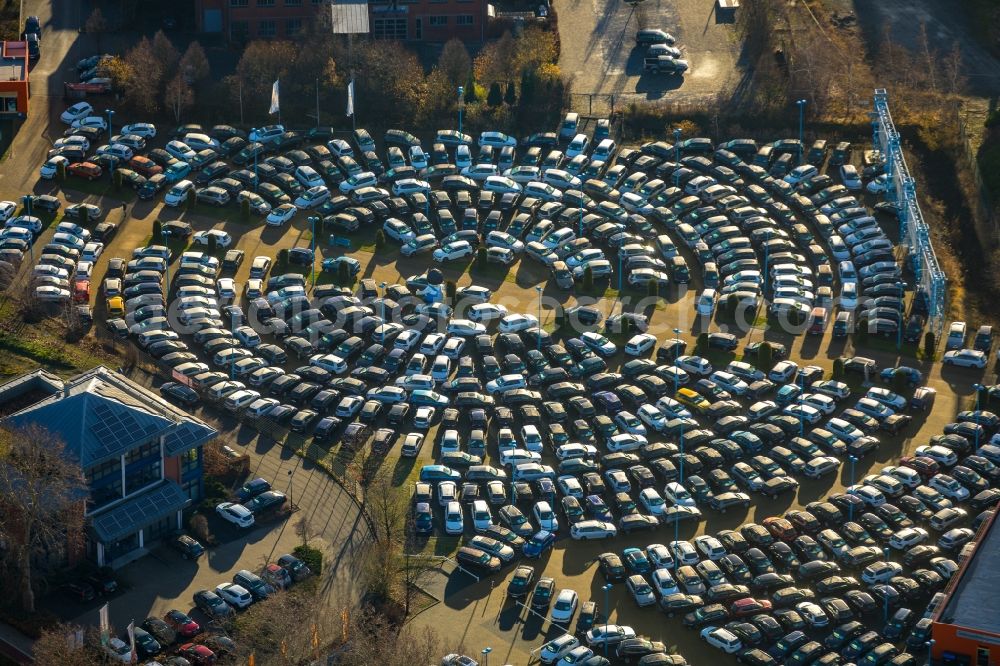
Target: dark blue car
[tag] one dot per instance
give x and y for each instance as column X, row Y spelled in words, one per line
column 539, row 543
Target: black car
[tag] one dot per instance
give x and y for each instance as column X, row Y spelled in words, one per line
column 212, row 604
column 45, row 202
column 104, row 231
column 267, row 500
column 183, row 394
column 160, row 630
column 145, row 644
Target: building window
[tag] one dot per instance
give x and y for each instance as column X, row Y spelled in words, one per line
column 438, row 21
column 146, row 451
column 266, row 29
column 190, row 461
column 192, row 489
column 389, row 28
column 102, row 495
column 464, row 19
column 238, row 3
column 293, row 27
column 265, row 3
column 100, row 473
column 138, row 479
column 238, row 30
column 293, row 3
column 163, row 527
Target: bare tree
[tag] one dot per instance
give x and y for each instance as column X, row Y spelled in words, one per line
column 953, row 71
column 142, row 73
column 929, row 64
column 96, row 25
column 67, row 645
column 372, row 639
column 165, row 51
column 455, row 62
column 42, row 493
column 179, row 96
column 194, row 64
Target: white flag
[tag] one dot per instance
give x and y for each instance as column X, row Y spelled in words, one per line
column 105, row 624
column 275, row 107
column 350, row 99
column 131, row 640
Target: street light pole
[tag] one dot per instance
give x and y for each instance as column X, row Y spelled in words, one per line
column 111, row 115
column 461, row 105
column 313, row 219
column 885, row 610
column 607, row 614
column 802, row 110
column 256, row 178
column 978, row 388
column 850, row 509
column 539, row 336
column 382, row 287
column 677, row 334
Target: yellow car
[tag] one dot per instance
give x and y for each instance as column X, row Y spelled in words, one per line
column 116, row 306
column 689, row 398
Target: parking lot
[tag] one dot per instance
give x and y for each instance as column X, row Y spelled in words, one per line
column 599, row 51
column 782, row 242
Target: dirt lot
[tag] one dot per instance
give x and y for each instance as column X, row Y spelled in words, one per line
column 599, row 54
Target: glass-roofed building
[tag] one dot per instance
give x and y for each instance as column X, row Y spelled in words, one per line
column 141, row 456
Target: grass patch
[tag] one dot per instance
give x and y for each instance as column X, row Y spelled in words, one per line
column 43, row 351
column 864, row 341
column 494, row 271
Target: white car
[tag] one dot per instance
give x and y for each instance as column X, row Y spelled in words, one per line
column 486, row 312
column 236, row 514
column 97, row 122
column 652, row 501
column 880, row 572
column 576, row 450
column 609, row 634
column 145, row 130
column 722, row 639
column 234, row 595
column 76, row 112
column 558, row 647
column 706, row 302
column 593, row 529
column 678, row 494
column 452, row 251
column 465, row 327
column 308, row 177
column 641, row 590
column 904, row 539
column 481, row 516
column 710, row 547
column 545, row 516
column 640, row 344
column 968, row 358
column 496, row 140
column 664, row 582
column 118, row 650
column 357, row 181
column 91, row 251
column 868, row 494
column 812, row 614
column 50, row 169
column 949, row 487
column 565, row 606
column 694, row 365
column 516, row 323
column 506, row 383
column 454, row 519
column 282, row 214
column 222, row 239
column 850, row 177
column 818, row 401
column 653, row 417
column 313, row 197
column 684, row 552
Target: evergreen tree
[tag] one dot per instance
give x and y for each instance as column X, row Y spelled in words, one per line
column 510, row 97
column 470, row 90
column 157, row 233
column 495, row 97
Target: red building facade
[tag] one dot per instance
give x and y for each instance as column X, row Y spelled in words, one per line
column 14, row 90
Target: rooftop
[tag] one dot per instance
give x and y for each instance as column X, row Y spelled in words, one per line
column 101, row 414
column 13, row 61
column 974, row 602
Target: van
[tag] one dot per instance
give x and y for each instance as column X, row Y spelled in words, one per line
column 599, row 268
column 569, row 125
column 956, row 335
column 411, row 445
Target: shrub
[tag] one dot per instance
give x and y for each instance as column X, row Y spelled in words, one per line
column 653, row 288
column 190, row 201
column 313, row 557
column 117, row 179
column 343, row 273
column 510, row 97
column 702, row 345
column 61, row 171
column 930, row 344
column 379, row 240
column 838, row 368
column 481, row 258
column 199, row 528
column 899, row 382
column 157, row 233
column 213, row 245
column 495, row 96
column 450, row 289
column 245, row 210
column 588, row 279
column 281, row 262
column 765, row 356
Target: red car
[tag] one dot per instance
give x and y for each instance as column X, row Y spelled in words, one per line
column 747, row 607
column 182, row 624
column 780, row 528
column 197, row 654
column 922, row 465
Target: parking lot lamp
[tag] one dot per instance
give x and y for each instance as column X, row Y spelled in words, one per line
column 850, row 509
column 767, row 256
column 256, row 179
column 607, row 614
column 979, row 388
column 111, row 114
column 461, row 106
column 677, row 155
column 680, row 471
column 621, row 258
column 382, row 287
column 802, row 112
column 313, row 219
column 677, row 334
column 802, row 420
column 885, row 606
column 581, row 221
column 539, row 336
column 899, row 328
column 486, row 655
column 232, row 361
column 26, row 202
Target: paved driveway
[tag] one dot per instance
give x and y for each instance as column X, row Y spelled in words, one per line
column 599, row 53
